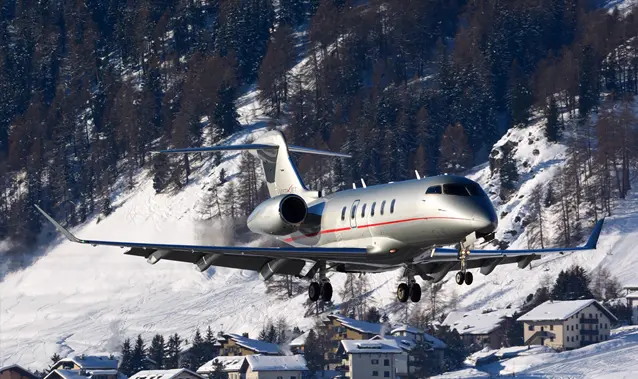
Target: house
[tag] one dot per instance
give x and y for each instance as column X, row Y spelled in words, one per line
column 408, row 338
column 234, row 367
column 632, row 301
column 298, row 345
column 16, row 372
column 276, row 367
column 481, row 327
column 177, row 373
column 340, row 328
column 365, row 359
column 236, row 345
column 85, row 366
column 567, row 324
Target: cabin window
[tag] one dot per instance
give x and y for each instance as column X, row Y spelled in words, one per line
column 354, row 211
column 343, row 213
column 363, row 211
column 382, row 207
column 455, row 189
column 372, row 209
column 434, row 190
column 392, row 206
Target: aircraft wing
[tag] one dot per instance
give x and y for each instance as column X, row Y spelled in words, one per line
column 444, row 254
column 249, row 258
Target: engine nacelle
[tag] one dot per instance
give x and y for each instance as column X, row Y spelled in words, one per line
column 279, row 215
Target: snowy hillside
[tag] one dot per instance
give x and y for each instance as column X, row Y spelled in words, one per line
column 615, row 358
column 82, row 299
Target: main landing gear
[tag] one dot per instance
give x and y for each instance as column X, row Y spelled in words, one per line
column 321, row 289
column 410, row 290
column 464, row 275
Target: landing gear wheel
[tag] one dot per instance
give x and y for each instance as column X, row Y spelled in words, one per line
column 314, row 291
column 469, row 278
column 326, row 291
column 403, row 292
column 460, row 277
column 415, row 292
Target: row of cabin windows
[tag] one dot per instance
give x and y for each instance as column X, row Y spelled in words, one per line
column 363, row 209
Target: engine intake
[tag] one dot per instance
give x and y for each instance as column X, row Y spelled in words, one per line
column 279, row 215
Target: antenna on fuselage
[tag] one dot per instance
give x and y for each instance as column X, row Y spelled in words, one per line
column 354, row 186
column 418, row 177
column 363, row 183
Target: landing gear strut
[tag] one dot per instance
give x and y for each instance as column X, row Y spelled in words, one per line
column 410, row 290
column 323, row 289
column 464, row 275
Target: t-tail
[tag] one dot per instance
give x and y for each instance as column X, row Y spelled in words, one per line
column 280, row 173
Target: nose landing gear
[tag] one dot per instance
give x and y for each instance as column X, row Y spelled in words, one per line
column 464, row 275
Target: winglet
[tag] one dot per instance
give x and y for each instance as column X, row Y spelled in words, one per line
column 593, row 239
column 59, row 227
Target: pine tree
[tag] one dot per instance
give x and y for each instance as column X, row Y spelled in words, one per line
column 552, row 125
column 455, row 152
column 225, row 114
column 126, row 359
column 519, row 96
column 314, row 353
column 572, row 284
column 157, row 351
column 373, row 315
column 138, row 356
column 172, row 353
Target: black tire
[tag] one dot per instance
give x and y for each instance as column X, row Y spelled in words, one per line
column 314, row 291
column 469, row 278
column 460, row 277
column 326, row 291
column 415, row 292
column 403, row 292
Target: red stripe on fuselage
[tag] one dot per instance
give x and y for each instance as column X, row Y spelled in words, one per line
column 290, row 239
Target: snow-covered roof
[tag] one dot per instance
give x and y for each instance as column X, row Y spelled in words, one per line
column 631, row 286
column 300, row 341
column 561, row 310
column 384, row 346
column 229, row 364
column 68, row 374
column 162, row 374
column 277, row 362
column 103, row 372
column 408, row 342
column 359, row 326
column 91, row 361
column 255, row 345
column 16, row 367
column 477, row 321
column 408, row 329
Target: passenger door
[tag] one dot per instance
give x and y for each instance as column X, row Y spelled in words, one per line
column 353, row 214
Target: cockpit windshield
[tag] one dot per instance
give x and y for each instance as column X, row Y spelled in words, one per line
column 457, row 189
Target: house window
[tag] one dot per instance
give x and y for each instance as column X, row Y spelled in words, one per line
column 382, row 207
column 375, row 361
column 343, row 213
column 601, row 325
column 590, row 316
column 551, row 339
column 542, row 328
column 531, row 327
column 576, row 326
column 372, row 209
column 363, row 211
column 386, row 362
column 605, row 325
column 551, row 327
column 386, row 374
column 392, row 206
column 280, row 377
column 576, row 338
column 375, row 373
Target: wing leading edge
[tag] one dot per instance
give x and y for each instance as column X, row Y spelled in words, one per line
column 443, row 253
column 220, row 254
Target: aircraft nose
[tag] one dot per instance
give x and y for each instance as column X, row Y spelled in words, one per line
column 485, row 221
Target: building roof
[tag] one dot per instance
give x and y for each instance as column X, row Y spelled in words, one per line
column 477, row 321
column 277, row 362
column 91, row 362
column 384, row 346
column 631, row 286
column 68, row 374
column 436, row 343
column 406, row 328
column 359, row 326
column 255, row 345
column 17, row 367
column 299, row 341
column 562, row 310
column 162, row 374
column 229, row 364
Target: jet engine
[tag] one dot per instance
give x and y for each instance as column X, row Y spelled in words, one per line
column 279, row 215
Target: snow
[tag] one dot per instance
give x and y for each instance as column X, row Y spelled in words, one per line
column 299, row 341
column 476, row 321
column 614, row 358
column 161, row 374
column 88, row 362
column 382, row 346
column 69, row 374
column 436, row 343
column 277, row 363
column 229, row 363
column 559, row 310
column 359, row 326
column 255, row 345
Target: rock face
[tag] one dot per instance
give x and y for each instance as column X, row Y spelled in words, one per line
column 502, row 163
column 498, row 155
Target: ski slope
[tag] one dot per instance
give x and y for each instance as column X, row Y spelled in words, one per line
column 615, row 358
column 81, row 299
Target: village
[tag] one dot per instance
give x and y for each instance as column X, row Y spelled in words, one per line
column 343, row 347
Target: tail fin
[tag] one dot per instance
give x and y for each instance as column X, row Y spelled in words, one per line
column 271, row 148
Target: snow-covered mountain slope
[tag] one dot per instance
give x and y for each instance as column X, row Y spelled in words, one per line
column 615, row 358
column 82, row 299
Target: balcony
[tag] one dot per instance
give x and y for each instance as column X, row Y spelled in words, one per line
column 588, row 320
column 587, row 332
